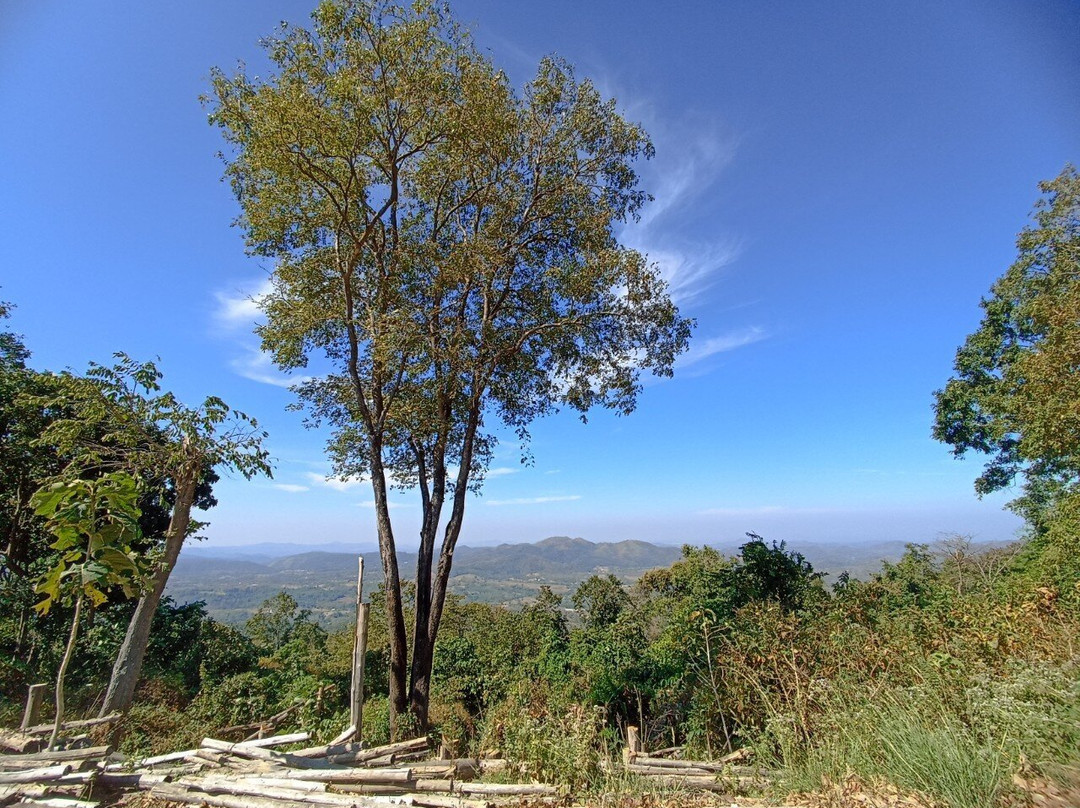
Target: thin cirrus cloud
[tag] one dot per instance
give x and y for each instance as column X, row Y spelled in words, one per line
column 236, row 313
column 291, row 487
column 533, row 500
column 684, row 171
column 257, row 366
column 240, row 308
column 340, row 484
column 700, row 350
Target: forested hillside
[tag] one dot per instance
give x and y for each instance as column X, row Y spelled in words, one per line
column 508, row 574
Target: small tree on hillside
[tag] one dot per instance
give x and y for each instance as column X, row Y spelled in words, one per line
column 117, row 418
column 94, row 523
column 449, row 246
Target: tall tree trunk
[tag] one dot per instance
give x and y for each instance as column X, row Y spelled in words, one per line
column 68, row 652
column 128, row 666
column 424, row 641
column 394, row 613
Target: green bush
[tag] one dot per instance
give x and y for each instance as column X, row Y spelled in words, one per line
column 547, row 737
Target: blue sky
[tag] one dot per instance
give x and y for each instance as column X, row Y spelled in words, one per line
column 836, row 183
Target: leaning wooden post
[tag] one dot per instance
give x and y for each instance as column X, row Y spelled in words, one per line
column 356, row 696
column 633, row 744
column 33, row 706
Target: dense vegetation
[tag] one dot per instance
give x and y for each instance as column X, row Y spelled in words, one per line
column 943, row 658
column 946, row 672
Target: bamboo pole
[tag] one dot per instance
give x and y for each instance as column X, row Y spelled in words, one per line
column 45, row 729
column 42, row 775
column 355, row 753
column 356, row 694
column 506, row 789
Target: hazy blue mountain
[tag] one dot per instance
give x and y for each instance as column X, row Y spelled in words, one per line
column 233, row 581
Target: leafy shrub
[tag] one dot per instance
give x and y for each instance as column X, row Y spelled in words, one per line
column 547, row 737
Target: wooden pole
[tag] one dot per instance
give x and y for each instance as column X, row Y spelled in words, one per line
column 356, row 695
column 633, row 744
column 33, row 706
column 358, row 671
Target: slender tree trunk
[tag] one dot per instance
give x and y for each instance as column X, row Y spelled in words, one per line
column 129, row 661
column 423, row 640
column 68, row 653
column 392, row 586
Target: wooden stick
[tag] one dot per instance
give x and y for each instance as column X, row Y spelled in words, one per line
column 251, row 752
column 57, row 802
column 506, row 789
column 449, row 801
column 244, row 787
column 389, row 776
column 347, row 735
column 45, row 729
column 171, row 757
column 35, row 760
column 281, row 782
column 168, row 791
column 356, row 692
column 355, row 752
column 687, row 771
column 42, row 775
column 18, row 741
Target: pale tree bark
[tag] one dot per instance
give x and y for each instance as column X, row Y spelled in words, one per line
column 69, row 651
column 129, row 661
column 398, row 641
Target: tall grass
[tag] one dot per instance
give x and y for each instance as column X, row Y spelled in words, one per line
column 913, row 742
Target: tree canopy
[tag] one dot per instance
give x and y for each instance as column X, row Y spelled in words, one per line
column 446, row 247
column 1015, row 394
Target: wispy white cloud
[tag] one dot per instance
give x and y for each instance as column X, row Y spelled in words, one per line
column 501, row 471
column 689, row 162
column 291, row 488
column 335, row 483
column 257, row 366
column 689, row 269
column 702, row 349
column 533, row 500
column 239, row 307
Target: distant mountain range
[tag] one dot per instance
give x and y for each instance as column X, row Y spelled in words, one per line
column 233, row 581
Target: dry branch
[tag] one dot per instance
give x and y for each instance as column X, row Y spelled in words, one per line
column 36, row 760
column 506, row 789
column 42, row 775
column 45, row 729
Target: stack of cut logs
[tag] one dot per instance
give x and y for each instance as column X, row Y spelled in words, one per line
column 725, row 775
column 250, row 774
column 668, row 768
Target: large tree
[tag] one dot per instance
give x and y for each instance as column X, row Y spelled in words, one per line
column 448, row 247
column 1016, row 393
